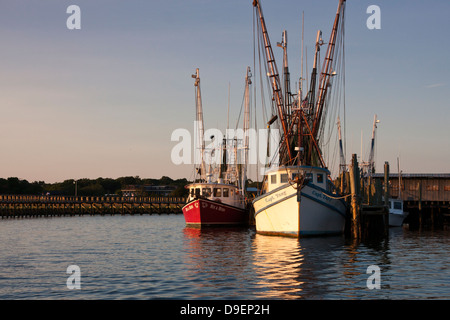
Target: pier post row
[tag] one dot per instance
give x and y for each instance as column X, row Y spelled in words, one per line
column 17, row 206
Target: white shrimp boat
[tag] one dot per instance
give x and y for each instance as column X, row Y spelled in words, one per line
column 298, row 197
column 296, row 209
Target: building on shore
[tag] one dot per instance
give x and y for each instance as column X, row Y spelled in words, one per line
column 147, row 190
column 426, row 196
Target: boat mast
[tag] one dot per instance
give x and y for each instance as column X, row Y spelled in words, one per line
column 327, row 71
column 371, row 162
column 199, row 122
column 248, row 82
column 275, row 83
column 224, row 166
column 300, row 87
column 287, row 85
column 312, row 90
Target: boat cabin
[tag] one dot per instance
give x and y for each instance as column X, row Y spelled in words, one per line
column 224, row 193
column 314, row 175
column 395, row 206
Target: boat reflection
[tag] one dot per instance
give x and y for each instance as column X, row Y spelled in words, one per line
column 240, row 261
column 278, row 264
column 290, row 268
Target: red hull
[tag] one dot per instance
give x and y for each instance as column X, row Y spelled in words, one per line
column 202, row 212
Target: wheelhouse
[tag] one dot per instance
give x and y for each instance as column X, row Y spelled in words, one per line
column 224, row 193
column 313, row 175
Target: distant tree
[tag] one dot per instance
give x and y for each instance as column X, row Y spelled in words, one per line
column 14, row 185
column 180, row 191
column 87, row 187
column 92, row 190
column 165, row 180
column 109, row 185
column 126, row 181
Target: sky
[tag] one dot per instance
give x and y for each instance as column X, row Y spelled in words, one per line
column 104, row 100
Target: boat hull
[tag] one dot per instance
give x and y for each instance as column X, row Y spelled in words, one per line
column 203, row 212
column 396, row 219
column 280, row 213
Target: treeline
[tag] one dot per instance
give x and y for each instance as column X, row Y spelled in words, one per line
column 87, row 187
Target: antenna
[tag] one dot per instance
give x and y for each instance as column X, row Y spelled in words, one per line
column 301, row 76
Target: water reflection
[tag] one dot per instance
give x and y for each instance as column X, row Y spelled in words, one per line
column 218, row 261
column 279, row 268
column 308, row 268
column 155, row 257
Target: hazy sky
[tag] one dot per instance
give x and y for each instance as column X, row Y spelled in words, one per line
column 104, row 100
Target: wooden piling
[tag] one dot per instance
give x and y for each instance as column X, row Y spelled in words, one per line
column 355, row 203
column 386, row 196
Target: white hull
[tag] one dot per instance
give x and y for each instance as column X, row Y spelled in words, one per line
column 277, row 212
column 396, row 219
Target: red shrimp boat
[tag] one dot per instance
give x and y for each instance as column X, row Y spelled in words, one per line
column 217, row 196
column 215, row 204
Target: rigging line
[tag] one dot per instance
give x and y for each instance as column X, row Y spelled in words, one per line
column 343, row 58
column 240, row 112
column 264, row 107
column 254, row 91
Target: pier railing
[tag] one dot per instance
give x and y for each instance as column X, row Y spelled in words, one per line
column 34, row 205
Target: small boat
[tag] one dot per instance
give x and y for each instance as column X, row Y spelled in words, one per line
column 396, row 214
column 216, row 197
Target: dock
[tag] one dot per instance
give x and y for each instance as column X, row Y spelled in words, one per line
column 426, row 198
column 368, row 213
column 28, row 206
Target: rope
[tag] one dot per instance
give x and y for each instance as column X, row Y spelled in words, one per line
column 337, row 198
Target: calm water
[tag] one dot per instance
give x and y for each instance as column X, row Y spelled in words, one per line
column 157, row 257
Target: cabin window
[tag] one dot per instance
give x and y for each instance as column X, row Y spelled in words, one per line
column 294, row 176
column 433, row 187
column 197, row 192
column 284, row 178
column 319, row 178
column 397, row 205
column 206, row 192
column 217, row 192
column 309, row 176
column 273, row 179
column 192, row 192
column 225, row 192
column 447, row 188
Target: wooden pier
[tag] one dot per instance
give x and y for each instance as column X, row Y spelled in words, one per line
column 21, row 206
column 426, row 199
